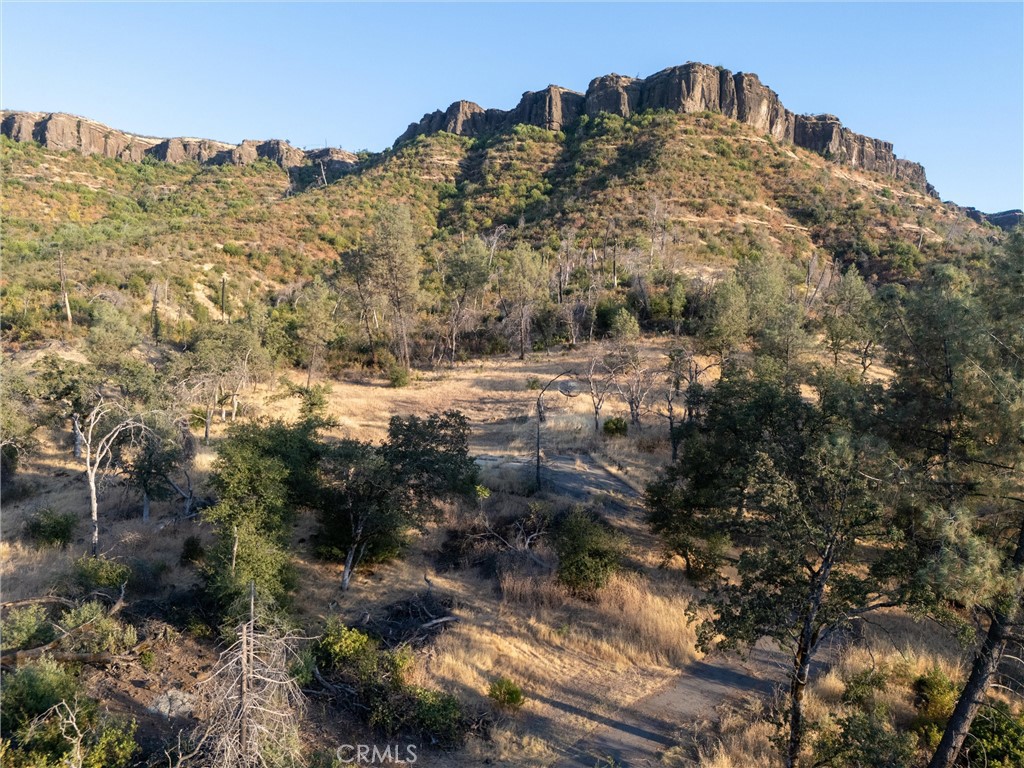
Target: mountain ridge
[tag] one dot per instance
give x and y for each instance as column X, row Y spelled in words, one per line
column 690, row 87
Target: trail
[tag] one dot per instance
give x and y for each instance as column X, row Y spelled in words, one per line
column 637, row 735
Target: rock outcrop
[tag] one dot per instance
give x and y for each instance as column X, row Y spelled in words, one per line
column 692, row 87
column 1005, row 220
column 63, row 132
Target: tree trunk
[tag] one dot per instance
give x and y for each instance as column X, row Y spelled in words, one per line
column 209, row 421
column 802, row 658
column 94, row 511
column 76, row 429
column 350, row 561
column 145, row 506
column 986, row 663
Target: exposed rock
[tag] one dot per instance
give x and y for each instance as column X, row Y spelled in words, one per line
column 613, row 93
column 1006, row 220
column 553, row 108
column 173, row 703
column 63, row 132
column 692, row 87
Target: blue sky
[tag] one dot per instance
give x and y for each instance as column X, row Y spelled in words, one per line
column 943, row 82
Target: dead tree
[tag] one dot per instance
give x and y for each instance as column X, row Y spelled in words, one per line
column 105, row 427
column 600, row 380
column 254, row 705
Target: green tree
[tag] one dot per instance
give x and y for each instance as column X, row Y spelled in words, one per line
column 851, row 320
column 801, row 489
column 395, row 264
column 464, row 277
column 522, row 285
column 724, row 325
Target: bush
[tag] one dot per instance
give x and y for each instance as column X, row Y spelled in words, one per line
column 26, row 627
column 616, row 426
column 439, row 717
column 588, row 551
column 104, row 633
column 506, row 694
column 389, row 704
column 340, row 645
column 936, row 697
column 49, row 528
column 398, row 376
column 100, row 572
column 998, row 737
column 192, row 551
column 865, row 740
column 31, row 691
column 862, row 686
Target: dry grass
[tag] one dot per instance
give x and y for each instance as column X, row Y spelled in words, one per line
column 895, row 644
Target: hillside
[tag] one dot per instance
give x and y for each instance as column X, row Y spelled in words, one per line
column 687, row 191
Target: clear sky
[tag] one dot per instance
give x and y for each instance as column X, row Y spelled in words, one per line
column 943, row 82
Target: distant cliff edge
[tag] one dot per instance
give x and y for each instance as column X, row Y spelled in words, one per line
column 60, row 131
column 691, row 87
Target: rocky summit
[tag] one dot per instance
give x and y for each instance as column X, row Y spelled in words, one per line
column 62, row 132
column 692, row 87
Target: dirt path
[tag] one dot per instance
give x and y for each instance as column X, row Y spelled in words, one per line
column 637, row 735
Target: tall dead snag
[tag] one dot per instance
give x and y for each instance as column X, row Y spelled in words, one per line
column 254, row 706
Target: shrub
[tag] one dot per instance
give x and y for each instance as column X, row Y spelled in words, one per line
column 998, row 737
column 104, row 633
column 506, row 694
column 26, row 627
column 865, row 740
column 31, row 691
column 439, row 717
column 98, row 572
column 49, row 528
column 862, row 686
column 533, row 383
column 936, row 697
column 398, row 376
column 588, row 551
column 340, row 645
column 616, row 426
column 389, row 704
column 192, row 551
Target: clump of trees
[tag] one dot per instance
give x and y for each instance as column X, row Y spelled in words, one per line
column 833, row 497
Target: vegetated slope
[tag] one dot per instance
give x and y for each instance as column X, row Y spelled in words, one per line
column 672, row 191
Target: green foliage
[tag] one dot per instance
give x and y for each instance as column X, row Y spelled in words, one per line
column 997, row 737
column 936, row 696
column 506, row 694
column 100, row 572
column 589, row 550
column 26, row 627
column 388, row 702
column 615, row 426
column 192, row 551
column 31, row 690
column 341, row 646
column 49, row 528
column 103, row 633
column 862, row 686
column 398, row 376
column 865, row 739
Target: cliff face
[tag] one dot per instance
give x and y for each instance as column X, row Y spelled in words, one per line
column 688, row 88
column 64, row 132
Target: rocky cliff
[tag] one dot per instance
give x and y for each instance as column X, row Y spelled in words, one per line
column 688, row 88
column 62, row 132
